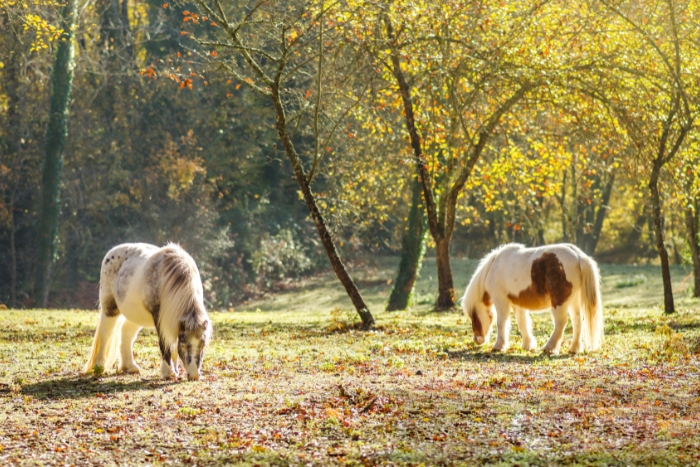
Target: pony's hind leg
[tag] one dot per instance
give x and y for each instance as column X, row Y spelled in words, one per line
column 105, row 343
column 129, row 333
column 522, row 317
column 576, row 325
column 559, row 316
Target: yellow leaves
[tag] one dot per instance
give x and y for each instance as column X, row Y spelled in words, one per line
column 44, row 33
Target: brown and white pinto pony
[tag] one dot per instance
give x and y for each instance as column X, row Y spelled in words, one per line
column 560, row 277
column 144, row 286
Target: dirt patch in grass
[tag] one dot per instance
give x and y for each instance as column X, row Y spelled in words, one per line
column 305, row 388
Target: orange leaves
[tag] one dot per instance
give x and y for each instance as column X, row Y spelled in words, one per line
column 307, row 94
column 186, row 83
column 165, row 5
column 213, row 53
column 238, row 86
column 149, row 72
column 193, row 17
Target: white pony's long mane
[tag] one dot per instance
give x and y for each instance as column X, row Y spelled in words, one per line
column 475, row 289
column 181, row 294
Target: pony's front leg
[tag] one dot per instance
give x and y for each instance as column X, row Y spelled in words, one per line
column 559, row 316
column 129, row 333
column 522, row 317
column 167, row 369
column 176, row 361
column 503, row 327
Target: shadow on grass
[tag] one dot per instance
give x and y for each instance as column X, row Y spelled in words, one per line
column 86, row 386
column 488, row 356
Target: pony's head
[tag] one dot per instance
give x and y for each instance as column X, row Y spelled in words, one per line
column 191, row 341
column 481, row 314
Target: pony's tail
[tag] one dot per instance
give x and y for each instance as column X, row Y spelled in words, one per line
column 592, row 331
column 110, row 345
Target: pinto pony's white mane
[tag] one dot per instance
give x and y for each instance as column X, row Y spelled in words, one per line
column 475, row 289
column 181, row 294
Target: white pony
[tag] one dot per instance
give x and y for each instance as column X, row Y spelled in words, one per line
column 560, row 277
column 144, row 286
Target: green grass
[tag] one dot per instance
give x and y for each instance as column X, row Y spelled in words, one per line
column 288, row 381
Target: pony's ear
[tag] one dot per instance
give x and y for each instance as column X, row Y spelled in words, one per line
column 208, row 330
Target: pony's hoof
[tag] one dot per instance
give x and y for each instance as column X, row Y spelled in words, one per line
column 547, row 351
column 130, row 370
column 530, row 346
column 167, row 371
column 499, row 348
column 574, row 349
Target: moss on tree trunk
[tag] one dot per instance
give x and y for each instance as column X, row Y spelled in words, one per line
column 412, row 250
column 52, row 169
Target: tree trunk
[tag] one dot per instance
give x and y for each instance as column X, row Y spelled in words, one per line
column 659, row 236
column 446, row 289
column 321, row 227
column 564, row 215
column 52, row 169
column 592, row 236
column 13, row 261
column 691, row 226
column 12, row 83
column 412, row 250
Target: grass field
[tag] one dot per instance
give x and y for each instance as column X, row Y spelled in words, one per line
column 288, row 381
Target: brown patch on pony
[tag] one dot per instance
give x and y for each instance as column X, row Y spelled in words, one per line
column 109, row 306
column 549, row 286
column 476, row 323
column 486, row 299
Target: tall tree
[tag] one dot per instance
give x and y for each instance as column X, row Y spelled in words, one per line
column 52, row 169
column 456, row 72
column 294, row 57
column 653, row 95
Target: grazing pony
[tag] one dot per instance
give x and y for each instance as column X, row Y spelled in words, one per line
column 144, row 286
column 560, row 277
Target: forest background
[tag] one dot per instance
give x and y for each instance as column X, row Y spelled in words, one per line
column 267, row 137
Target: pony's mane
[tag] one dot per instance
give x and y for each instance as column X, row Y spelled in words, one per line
column 475, row 289
column 181, row 294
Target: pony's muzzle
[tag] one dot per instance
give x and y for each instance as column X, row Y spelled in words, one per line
column 479, row 340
